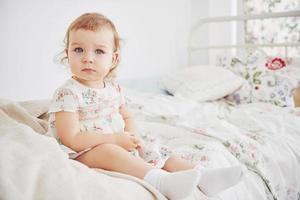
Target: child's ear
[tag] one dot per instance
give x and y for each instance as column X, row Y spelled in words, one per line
column 115, row 59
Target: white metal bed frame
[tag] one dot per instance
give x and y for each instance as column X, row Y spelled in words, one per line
column 193, row 48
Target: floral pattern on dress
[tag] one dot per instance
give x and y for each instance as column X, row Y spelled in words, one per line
column 91, row 105
column 89, row 96
column 153, row 152
column 98, row 111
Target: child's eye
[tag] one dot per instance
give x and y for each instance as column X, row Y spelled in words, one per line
column 78, row 50
column 99, row 51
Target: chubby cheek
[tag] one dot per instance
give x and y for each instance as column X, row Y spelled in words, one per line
column 103, row 69
column 74, row 60
column 74, row 66
column 104, row 64
column 73, row 57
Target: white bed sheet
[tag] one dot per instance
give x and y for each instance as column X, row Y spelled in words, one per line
column 262, row 137
column 147, row 84
column 33, row 166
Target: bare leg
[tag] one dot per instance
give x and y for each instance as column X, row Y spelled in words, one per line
column 175, row 163
column 111, row 157
column 114, row 158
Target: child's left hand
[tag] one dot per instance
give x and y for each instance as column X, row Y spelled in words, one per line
column 138, row 145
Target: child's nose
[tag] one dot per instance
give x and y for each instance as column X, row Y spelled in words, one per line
column 88, row 57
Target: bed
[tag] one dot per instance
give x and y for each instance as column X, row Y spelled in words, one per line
column 211, row 129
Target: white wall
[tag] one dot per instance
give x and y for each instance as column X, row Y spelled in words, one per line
column 155, row 34
column 220, row 33
column 212, row 33
column 200, row 9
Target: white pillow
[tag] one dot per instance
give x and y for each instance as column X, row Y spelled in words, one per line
column 202, row 83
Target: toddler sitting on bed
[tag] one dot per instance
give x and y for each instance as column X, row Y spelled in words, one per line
column 89, row 118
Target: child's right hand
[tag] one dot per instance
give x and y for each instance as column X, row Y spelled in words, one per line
column 127, row 141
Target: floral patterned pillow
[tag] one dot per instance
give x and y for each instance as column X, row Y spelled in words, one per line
column 267, row 78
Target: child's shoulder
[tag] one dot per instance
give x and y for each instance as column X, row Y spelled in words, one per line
column 67, row 88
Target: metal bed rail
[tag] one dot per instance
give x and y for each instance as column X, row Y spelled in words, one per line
column 192, row 48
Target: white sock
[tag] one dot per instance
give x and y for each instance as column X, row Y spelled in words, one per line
column 213, row 181
column 175, row 185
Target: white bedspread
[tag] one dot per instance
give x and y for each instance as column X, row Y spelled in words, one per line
column 263, row 137
column 32, row 166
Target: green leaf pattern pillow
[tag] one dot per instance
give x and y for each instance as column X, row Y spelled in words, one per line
column 267, row 79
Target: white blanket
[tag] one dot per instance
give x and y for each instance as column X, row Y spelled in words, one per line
column 262, row 137
column 32, row 166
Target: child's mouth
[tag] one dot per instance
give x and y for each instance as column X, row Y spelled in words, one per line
column 89, row 70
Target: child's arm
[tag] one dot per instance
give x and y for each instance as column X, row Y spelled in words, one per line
column 129, row 120
column 67, row 127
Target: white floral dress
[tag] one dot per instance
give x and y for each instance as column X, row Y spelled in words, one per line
column 98, row 110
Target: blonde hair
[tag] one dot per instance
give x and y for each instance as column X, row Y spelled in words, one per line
column 94, row 22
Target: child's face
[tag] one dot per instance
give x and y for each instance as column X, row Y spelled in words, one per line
column 91, row 55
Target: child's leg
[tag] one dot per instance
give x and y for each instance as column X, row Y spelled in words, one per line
column 175, row 163
column 211, row 181
column 114, row 158
column 176, row 185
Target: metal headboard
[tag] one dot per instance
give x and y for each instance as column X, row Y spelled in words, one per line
column 193, row 48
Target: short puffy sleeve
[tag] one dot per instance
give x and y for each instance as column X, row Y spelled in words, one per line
column 64, row 100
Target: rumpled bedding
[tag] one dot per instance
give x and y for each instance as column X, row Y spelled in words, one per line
column 262, row 137
column 32, row 165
